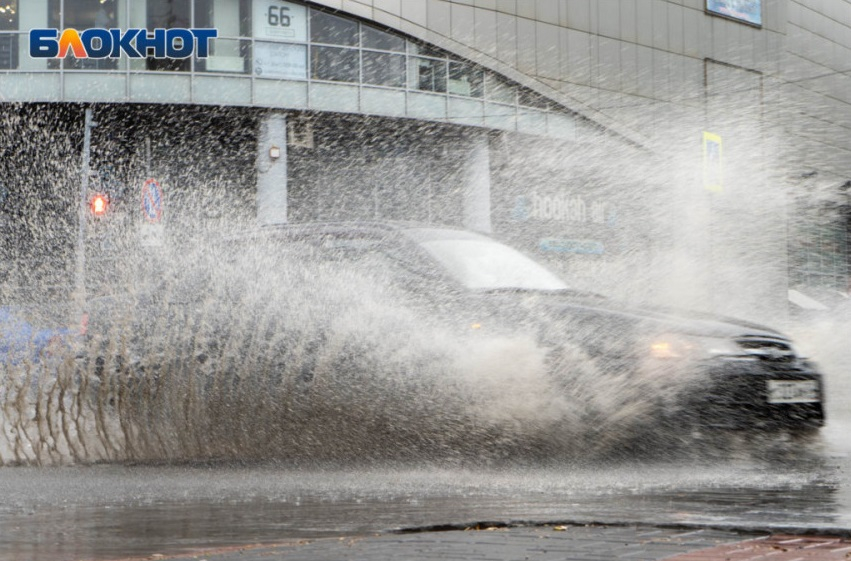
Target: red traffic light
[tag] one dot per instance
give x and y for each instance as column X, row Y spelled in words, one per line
column 98, row 204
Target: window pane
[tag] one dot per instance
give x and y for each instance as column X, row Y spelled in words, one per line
column 228, row 55
column 332, row 63
column 499, row 89
column 465, row 79
column 9, row 15
column 168, row 14
column 486, row 264
column 230, row 18
column 163, row 13
column 376, row 39
column 8, row 51
column 325, row 28
column 427, row 74
column 83, row 14
column 532, row 99
column 280, row 60
column 384, row 69
column 9, row 43
column 427, row 50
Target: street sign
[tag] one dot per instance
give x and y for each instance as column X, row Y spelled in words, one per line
column 152, row 201
column 152, row 229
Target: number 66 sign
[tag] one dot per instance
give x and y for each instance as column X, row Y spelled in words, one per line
column 278, row 20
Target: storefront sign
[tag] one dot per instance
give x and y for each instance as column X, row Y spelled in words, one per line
column 583, row 247
column 277, row 20
column 565, row 207
column 100, row 43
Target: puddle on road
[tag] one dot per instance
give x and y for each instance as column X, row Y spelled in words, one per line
column 106, row 512
column 191, row 408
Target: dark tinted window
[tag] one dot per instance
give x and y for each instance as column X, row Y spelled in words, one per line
column 334, row 63
column 466, row 79
column 531, row 99
column 428, row 50
column 334, row 30
column 9, row 43
column 428, row 75
column 499, row 89
column 384, row 69
column 84, row 14
column 376, row 39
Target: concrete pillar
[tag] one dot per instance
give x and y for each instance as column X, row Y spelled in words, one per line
column 272, row 170
column 477, row 186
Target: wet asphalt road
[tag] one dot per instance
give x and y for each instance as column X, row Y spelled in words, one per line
column 109, row 512
column 113, row 512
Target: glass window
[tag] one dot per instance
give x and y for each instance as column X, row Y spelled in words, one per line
column 228, row 55
column 384, row 69
column 465, row 79
column 499, row 89
column 84, row 14
column 488, row 265
column 231, row 18
column 168, row 14
column 334, row 63
column 334, row 30
column 427, row 74
column 427, row 50
column 529, row 98
column 9, row 15
column 8, row 41
column 381, row 40
column 280, row 60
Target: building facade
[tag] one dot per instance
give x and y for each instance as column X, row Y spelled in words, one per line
column 667, row 150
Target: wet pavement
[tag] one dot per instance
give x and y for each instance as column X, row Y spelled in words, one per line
column 114, row 512
column 224, row 512
column 546, row 542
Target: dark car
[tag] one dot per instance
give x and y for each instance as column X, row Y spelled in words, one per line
column 743, row 375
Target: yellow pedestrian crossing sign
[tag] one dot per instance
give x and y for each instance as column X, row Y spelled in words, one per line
column 713, row 170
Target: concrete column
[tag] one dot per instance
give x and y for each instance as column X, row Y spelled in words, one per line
column 477, row 186
column 271, row 170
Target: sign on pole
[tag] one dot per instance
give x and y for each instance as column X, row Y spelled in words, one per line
column 713, row 170
column 152, row 230
column 152, row 201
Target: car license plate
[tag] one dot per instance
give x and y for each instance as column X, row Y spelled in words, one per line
column 793, row 391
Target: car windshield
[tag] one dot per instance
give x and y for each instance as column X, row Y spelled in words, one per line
column 486, row 265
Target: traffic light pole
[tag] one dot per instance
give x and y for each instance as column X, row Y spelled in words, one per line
column 80, row 276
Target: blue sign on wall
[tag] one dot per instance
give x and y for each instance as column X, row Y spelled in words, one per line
column 744, row 10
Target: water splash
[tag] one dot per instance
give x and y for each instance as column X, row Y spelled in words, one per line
column 257, row 355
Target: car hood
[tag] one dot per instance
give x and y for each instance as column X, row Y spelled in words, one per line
column 567, row 305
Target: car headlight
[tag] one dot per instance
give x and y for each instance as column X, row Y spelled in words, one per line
column 679, row 346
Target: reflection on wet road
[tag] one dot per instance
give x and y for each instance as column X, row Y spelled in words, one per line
column 105, row 512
